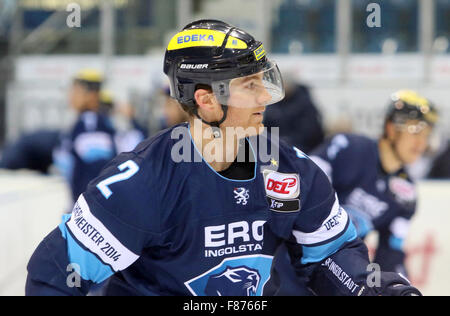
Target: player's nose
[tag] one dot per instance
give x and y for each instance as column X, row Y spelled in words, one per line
column 264, row 97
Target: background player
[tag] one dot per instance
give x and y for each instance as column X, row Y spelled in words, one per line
column 369, row 175
column 89, row 144
column 155, row 226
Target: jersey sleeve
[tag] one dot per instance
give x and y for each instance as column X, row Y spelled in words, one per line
column 322, row 225
column 106, row 232
column 324, row 246
column 340, row 158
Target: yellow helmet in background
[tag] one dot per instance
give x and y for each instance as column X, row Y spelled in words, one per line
column 91, row 78
column 106, row 99
column 409, row 105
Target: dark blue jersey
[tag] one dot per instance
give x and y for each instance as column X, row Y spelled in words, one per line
column 375, row 199
column 156, row 224
column 85, row 150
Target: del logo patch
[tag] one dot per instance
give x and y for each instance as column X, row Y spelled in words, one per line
column 281, row 185
column 239, row 276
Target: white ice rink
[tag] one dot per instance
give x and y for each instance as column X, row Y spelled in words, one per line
column 31, row 206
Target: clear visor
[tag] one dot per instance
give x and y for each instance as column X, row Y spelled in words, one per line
column 415, row 127
column 259, row 89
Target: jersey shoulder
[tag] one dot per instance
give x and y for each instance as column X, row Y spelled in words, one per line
column 283, row 156
column 316, row 196
column 129, row 185
column 314, row 185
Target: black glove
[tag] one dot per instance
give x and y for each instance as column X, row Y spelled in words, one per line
column 402, row 290
column 393, row 284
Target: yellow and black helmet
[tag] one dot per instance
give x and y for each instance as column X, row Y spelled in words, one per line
column 92, row 79
column 106, row 97
column 409, row 105
column 211, row 53
column 106, row 100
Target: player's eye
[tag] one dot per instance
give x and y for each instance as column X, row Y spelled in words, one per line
column 251, row 85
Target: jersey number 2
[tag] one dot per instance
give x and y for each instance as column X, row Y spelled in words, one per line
column 129, row 169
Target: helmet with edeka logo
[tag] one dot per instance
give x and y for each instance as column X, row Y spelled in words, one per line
column 213, row 53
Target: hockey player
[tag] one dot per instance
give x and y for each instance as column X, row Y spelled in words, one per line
column 89, row 145
column 369, row 175
column 152, row 224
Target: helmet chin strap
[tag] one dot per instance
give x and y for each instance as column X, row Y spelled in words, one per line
column 215, row 126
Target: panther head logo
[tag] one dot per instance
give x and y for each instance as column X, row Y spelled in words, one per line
column 238, row 281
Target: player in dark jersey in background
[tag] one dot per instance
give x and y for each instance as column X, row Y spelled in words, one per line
column 369, row 175
column 190, row 216
column 89, row 144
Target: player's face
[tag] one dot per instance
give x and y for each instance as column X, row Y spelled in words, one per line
column 412, row 140
column 247, row 103
column 77, row 96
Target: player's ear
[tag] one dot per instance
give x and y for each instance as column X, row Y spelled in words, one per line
column 390, row 130
column 205, row 99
